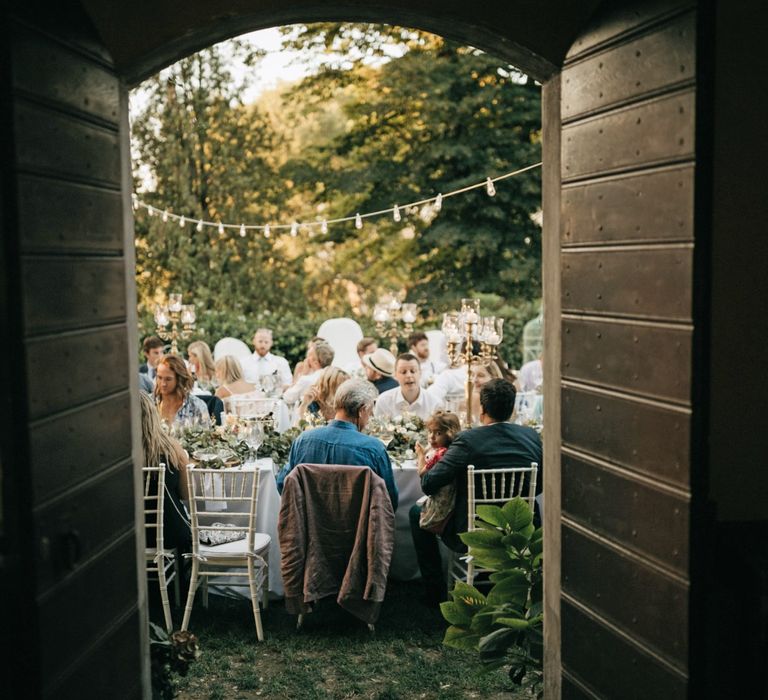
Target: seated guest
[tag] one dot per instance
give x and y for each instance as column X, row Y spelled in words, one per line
column 408, row 396
column 173, row 396
column 418, row 345
column 265, row 362
column 319, row 356
column 154, row 349
column 379, row 367
column 229, row 374
column 145, row 383
column 481, row 375
column 531, row 375
column 341, row 441
column 201, row 363
column 365, row 346
column 495, row 444
column 161, row 448
column 318, row 399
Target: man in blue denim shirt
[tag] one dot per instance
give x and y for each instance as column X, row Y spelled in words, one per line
column 341, row 442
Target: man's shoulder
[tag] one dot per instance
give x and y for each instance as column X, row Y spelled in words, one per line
column 389, row 394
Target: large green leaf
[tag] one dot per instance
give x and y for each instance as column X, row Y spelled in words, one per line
column 498, row 640
column 468, row 596
column 515, row 623
column 456, row 614
column 482, row 538
column 459, row 638
column 516, row 540
column 518, row 514
column 482, row 622
column 493, row 515
column 512, row 589
column 490, row 558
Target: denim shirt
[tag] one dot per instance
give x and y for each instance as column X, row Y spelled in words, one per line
column 341, row 442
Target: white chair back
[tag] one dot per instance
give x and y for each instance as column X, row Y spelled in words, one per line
column 437, row 346
column 343, row 334
column 231, row 346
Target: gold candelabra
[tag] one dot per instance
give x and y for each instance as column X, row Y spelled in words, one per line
column 389, row 313
column 180, row 317
column 463, row 330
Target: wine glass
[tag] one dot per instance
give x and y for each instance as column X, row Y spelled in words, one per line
column 254, row 438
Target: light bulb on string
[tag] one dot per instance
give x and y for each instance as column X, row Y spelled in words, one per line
column 182, row 221
column 200, row 225
column 438, row 202
column 267, row 231
column 242, row 230
column 489, row 188
column 396, row 213
column 358, row 221
column 221, row 229
column 165, row 216
column 151, row 210
column 294, row 229
column 324, row 227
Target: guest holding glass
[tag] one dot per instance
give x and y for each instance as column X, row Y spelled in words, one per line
column 173, row 393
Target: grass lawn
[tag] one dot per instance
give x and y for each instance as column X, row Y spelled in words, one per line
column 334, row 656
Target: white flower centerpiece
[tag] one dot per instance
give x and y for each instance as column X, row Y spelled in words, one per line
column 399, row 433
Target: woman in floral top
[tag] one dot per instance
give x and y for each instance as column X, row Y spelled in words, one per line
column 172, row 393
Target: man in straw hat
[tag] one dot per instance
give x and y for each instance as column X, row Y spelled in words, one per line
column 379, row 369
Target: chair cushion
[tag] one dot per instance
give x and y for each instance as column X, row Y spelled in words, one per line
column 236, row 548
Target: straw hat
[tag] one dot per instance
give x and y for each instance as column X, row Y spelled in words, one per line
column 381, row 361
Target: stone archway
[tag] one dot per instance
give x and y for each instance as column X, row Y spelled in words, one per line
column 629, row 239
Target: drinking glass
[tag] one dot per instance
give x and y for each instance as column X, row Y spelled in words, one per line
column 254, row 438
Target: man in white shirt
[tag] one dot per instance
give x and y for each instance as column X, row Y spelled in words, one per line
column 409, row 397
column 418, row 345
column 264, row 362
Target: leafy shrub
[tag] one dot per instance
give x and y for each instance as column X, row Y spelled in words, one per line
column 169, row 654
column 506, row 626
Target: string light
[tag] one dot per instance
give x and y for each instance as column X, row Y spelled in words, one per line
column 182, row 221
column 396, row 211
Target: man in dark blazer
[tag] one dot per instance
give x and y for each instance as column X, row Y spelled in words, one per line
column 495, row 444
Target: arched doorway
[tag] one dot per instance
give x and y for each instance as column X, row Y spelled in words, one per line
column 630, row 160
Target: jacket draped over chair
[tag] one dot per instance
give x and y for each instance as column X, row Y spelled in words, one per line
column 336, row 533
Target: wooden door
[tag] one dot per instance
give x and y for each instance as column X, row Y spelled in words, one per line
column 70, row 547
column 627, row 265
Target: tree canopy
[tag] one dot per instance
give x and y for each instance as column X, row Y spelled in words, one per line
column 391, row 116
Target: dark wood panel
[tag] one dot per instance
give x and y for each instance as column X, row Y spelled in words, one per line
column 65, row 371
column 611, row 666
column 98, row 513
column 571, row 691
column 645, row 604
column 654, row 523
column 642, row 437
column 648, row 63
column 48, row 70
column 50, row 142
column 651, row 283
column 64, row 216
column 655, row 206
column 68, row 293
column 653, row 361
column 108, row 671
column 657, row 131
column 78, row 445
column 620, row 18
column 87, row 605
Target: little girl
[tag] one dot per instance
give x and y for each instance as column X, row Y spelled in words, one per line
column 436, row 510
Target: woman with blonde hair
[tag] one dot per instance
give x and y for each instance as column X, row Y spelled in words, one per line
column 229, row 374
column 173, row 393
column 160, row 448
column 318, row 399
column 201, row 359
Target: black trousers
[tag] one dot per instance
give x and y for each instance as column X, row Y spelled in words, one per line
column 428, row 554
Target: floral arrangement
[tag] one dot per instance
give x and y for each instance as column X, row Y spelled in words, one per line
column 170, row 654
column 399, row 433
